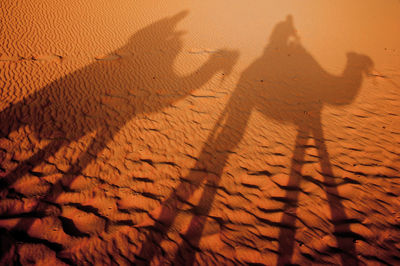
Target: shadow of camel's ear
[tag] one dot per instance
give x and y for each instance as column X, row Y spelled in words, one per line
column 174, row 20
column 159, row 30
column 181, row 15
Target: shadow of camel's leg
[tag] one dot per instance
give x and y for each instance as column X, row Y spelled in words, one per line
column 288, row 220
column 338, row 215
column 94, row 148
column 226, row 141
column 216, row 151
column 170, row 210
column 27, row 165
column 201, row 211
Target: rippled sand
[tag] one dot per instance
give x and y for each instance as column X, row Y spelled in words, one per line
column 200, row 132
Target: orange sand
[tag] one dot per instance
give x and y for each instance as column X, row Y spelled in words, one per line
column 200, row 132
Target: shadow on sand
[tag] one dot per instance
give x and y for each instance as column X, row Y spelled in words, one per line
column 285, row 84
column 102, row 97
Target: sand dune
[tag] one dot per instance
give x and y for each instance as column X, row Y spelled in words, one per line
column 159, row 132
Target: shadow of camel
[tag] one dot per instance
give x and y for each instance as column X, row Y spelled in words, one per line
column 102, row 97
column 288, row 85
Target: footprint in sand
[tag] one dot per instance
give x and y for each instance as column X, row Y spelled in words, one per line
column 203, row 51
column 51, row 57
column 15, row 58
column 108, row 57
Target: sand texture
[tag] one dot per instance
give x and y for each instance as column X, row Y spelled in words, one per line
column 199, row 132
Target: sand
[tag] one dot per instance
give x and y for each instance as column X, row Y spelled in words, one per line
column 200, row 132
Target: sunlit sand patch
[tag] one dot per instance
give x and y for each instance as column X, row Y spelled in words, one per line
column 9, row 58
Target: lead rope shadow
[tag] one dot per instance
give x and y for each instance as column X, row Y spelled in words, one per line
column 283, row 84
column 101, row 98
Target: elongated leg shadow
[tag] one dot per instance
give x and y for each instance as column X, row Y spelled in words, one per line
column 288, row 221
column 342, row 230
column 218, row 145
column 30, row 163
column 94, row 148
column 344, row 236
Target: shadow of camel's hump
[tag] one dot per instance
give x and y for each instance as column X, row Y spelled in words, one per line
column 102, row 95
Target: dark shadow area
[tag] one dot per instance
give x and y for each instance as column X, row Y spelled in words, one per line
column 288, row 85
column 138, row 78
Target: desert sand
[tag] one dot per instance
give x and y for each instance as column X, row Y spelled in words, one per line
column 200, row 132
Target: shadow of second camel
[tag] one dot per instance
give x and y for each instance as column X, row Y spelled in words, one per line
column 288, row 85
column 101, row 98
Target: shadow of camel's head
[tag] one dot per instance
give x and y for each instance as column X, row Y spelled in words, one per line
column 357, row 68
column 361, row 63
